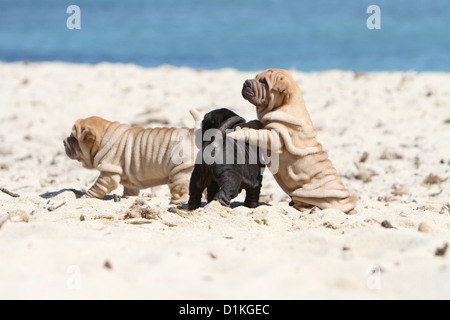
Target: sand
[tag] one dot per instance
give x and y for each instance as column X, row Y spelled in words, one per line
column 387, row 134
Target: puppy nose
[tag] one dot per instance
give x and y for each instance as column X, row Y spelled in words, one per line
column 247, row 83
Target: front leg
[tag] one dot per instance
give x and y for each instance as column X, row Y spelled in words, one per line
column 196, row 187
column 263, row 138
column 130, row 191
column 105, row 183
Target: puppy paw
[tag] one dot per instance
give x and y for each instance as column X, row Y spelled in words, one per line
column 177, row 201
column 224, row 202
column 239, row 134
column 92, row 195
column 222, row 198
column 251, row 204
column 192, row 205
column 130, row 192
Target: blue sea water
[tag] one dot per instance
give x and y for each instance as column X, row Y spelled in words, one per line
column 242, row 34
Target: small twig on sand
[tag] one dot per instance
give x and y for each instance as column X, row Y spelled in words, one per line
column 52, row 208
column 10, row 193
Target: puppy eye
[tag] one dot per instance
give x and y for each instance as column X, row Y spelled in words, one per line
column 263, row 80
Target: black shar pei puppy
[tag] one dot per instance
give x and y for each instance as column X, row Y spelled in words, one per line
column 223, row 166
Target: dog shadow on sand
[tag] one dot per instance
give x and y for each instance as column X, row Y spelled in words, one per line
column 79, row 194
column 233, row 205
column 52, row 194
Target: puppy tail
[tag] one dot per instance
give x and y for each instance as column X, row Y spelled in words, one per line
column 195, row 114
column 197, row 118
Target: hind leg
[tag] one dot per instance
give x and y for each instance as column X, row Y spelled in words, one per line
column 212, row 190
column 230, row 183
column 252, row 197
column 346, row 205
column 302, row 206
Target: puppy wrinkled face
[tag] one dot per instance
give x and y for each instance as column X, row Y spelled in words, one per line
column 75, row 147
column 84, row 140
column 255, row 91
column 268, row 89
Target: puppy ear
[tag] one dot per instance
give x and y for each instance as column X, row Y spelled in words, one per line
column 282, row 86
column 87, row 134
column 209, row 121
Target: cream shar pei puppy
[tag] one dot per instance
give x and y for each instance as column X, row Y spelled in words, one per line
column 135, row 157
column 304, row 171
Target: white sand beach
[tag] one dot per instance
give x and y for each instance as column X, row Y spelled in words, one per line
column 387, row 134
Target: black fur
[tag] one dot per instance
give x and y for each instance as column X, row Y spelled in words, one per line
column 225, row 181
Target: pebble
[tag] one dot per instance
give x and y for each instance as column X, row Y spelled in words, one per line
column 18, row 216
column 426, row 227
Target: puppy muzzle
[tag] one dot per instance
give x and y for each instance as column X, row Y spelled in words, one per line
column 247, row 90
column 69, row 147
